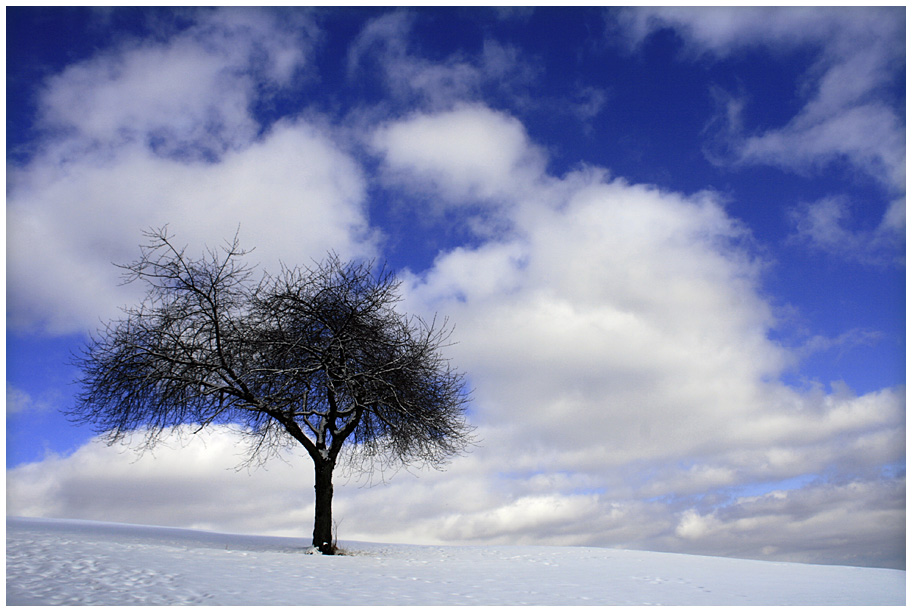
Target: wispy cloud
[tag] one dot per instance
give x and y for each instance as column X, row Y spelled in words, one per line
column 383, row 53
column 843, row 117
column 826, row 225
column 19, row 401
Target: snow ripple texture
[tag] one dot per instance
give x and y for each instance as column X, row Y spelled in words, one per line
column 56, row 562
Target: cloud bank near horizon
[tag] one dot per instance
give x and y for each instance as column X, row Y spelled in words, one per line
column 618, row 336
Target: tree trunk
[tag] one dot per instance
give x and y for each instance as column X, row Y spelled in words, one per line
column 323, row 523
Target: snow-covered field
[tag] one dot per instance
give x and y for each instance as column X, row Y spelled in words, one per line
column 82, row 562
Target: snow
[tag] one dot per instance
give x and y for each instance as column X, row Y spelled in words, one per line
column 52, row 561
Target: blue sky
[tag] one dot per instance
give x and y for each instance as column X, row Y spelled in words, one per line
column 671, row 241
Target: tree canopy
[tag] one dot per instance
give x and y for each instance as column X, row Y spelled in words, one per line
column 317, row 356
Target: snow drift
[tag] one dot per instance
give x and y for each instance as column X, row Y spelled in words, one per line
column 52, row 561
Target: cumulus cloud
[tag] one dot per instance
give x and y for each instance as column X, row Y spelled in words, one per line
column 189, row 96
column 292, row 194
column 631, row 331
column 613, row 373
column 468, row 154
column 139, row 155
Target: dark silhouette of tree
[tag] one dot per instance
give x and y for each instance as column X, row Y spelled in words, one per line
column 315, row 356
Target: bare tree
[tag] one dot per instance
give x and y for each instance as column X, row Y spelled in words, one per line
column 311, row 356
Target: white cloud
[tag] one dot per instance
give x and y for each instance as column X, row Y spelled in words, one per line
column 389, row 31
column 194, row 484
column 870, row 136
column 137, row 152
column 614, row 346
column 383, row 49
column 724, row 30
column 539, row 514
column 589, row 102
column 826, row 225
column 187, row 97
column 467, row 154
column 795, row 524
column 180, row 483
column 292, row 194
column 632, row 339
column 859, row 55
column 19, row 401
column 693, row 526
